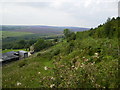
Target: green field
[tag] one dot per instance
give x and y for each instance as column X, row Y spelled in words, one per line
column 8, row 50
column 6, row 34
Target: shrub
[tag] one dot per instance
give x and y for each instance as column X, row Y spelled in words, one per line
column 22, row 63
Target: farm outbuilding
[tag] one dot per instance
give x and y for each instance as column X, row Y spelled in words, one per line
column 10, row 56
column 13, row 56
column 23, row 54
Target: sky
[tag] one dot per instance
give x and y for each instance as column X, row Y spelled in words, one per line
column 80, row 13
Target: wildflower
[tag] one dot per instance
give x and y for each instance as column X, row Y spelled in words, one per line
column 92, row 63
column 38, row 72
column 76, row 68
column 18, row 83
column 86, row 60
column 61, row 76
column 83, row 57
column 92, row 81
column 62, row 65
column 43, row 77
column 45, row 68
column 81, row 66
column 97, row 85
column 73, row 66
column 96, row 54
column 82, row 63
column 52, row 85
column 52, row 78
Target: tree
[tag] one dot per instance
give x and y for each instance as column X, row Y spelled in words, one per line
column 69, row 35
column 72, row 36
column 22, row 42
column 66, row 33
column 107, row 28
column 39, row 45
column 55, row 40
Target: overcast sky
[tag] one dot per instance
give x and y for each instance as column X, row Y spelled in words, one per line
column 81, row 13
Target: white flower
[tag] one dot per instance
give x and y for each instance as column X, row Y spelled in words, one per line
column 43, row 77
column 93, row 63
column 18, row 83
column 83, row 57
column 97, row 57
column 45, row 68
column 76, row 68
column 96, row 54
column 52, row 78
column 73, row 66
column 92, row 81
column 51, row 86
column 86, row 60
column 61, row 76
column 38, row 72
column 81, row 66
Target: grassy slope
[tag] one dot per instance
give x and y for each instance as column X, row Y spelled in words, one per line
column 27, row 74
column 101, row 72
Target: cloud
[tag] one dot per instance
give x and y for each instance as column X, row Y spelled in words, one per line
column 85, row 13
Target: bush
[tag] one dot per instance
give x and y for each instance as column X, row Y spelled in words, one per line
column 22, row 63
column 41, row 44
column 55, row 52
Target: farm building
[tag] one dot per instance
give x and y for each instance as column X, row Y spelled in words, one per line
column 23, row 54
column 13, row 56
column 10, row 56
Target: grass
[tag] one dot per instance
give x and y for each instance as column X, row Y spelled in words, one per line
column 72, row 67
column 8, row 50
column 28, row 72
column 6, row 34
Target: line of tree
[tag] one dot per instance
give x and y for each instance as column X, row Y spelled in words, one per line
column 110, row 29
column 20, row 44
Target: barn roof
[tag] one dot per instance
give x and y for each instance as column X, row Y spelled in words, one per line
column 23, row 51
column 9, row 55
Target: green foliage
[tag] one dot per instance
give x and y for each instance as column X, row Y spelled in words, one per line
column 66, row 33
column 55, row 52
column 41, row 44
column 107, row 30
column 10, row 39
column 22, row 63
column 69, row 35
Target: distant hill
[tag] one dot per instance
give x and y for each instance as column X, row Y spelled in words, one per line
column 41, row 29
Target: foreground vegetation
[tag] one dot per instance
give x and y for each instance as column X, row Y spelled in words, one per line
column 83, row 60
